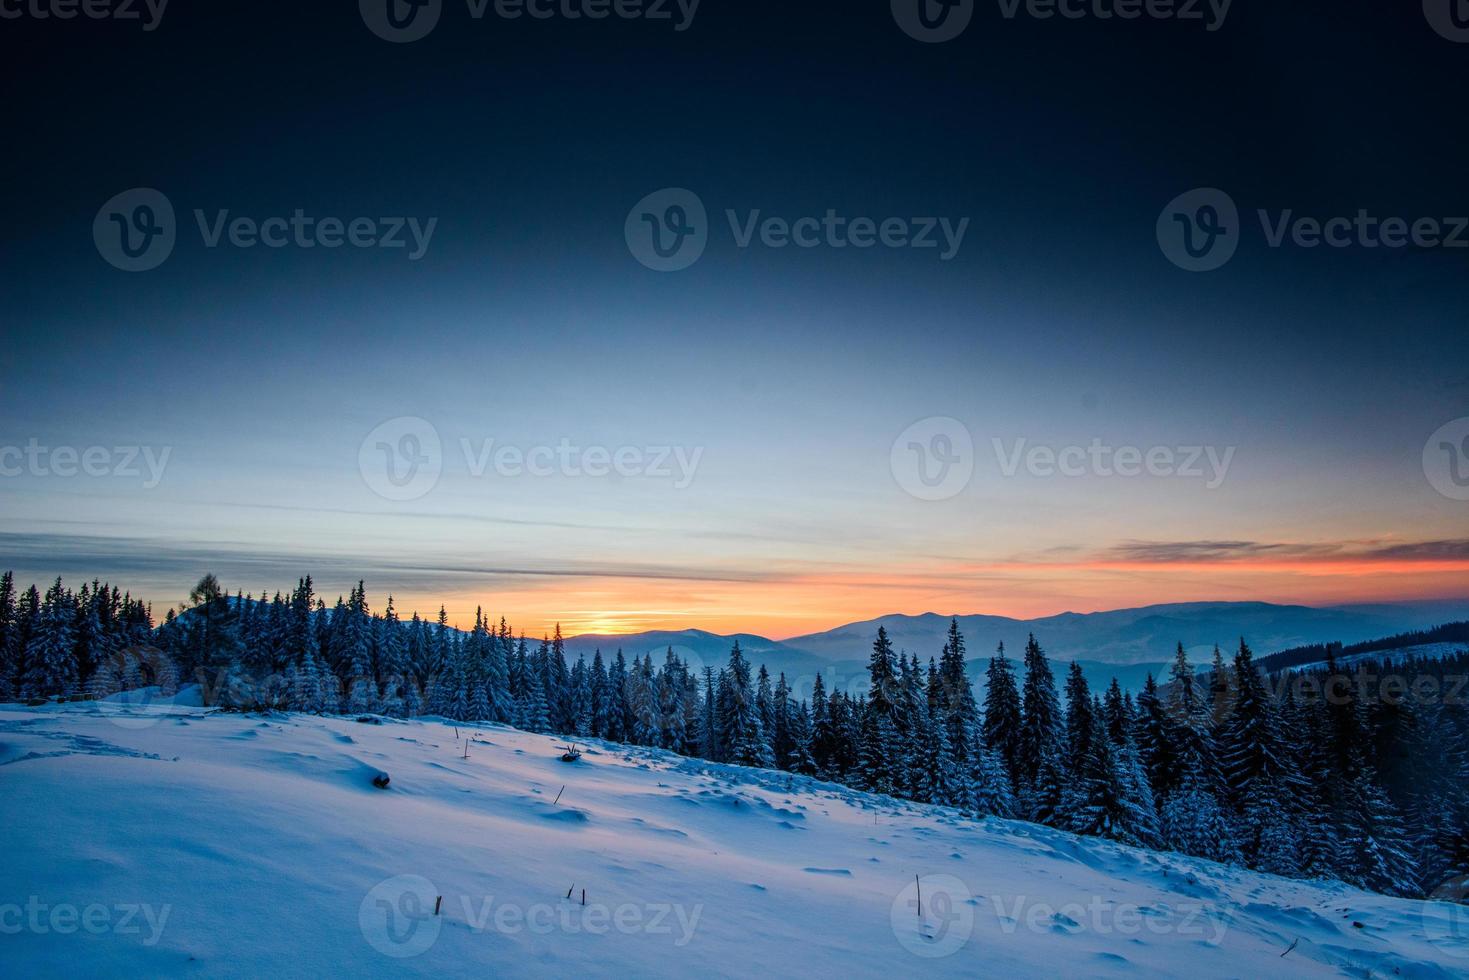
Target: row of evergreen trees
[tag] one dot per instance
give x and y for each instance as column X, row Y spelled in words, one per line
column 1317, row 773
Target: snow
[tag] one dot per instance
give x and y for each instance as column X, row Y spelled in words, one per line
column 1424, row 651
column 170, row 840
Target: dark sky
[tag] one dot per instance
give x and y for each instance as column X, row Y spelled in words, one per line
column 1060, row 318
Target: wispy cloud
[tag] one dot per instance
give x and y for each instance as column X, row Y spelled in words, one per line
column 1164, row 552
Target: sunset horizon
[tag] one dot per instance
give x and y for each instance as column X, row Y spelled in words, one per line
column 737, row 488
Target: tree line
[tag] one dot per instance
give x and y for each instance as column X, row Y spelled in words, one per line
column 1319, row 773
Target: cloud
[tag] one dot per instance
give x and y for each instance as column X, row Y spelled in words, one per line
column 89, row 556
column 1166, row 552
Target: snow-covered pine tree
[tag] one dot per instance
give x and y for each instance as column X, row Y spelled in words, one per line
column 601, row 697
column 823, row 731
column 711, row 739
column 781, row 738
column 959, row 713
column 51, row 667
column 879, row 770
column 765, row 707
column 1157, row 741
column 800, row 760
column 581, row 698
column 988, row 786
column 617, row 710
column 883, row 672
column 1041, row 713
column 9, row 637
column 1191, row 822
column 1002, row 721
column 739, row 715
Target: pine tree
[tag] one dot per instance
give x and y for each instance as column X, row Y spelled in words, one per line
column 711, row 738
column 782, row 740
column 601, row 698
column 51, row 665
column 800, row 759
column 1191, row 822
column 823, row 731
column 989, row 787
column 581, row 698
column 1002, row 720
column 884, row 675
column 1080, row 719
column 1157, row 741
column 879, row 765
column 1042, row 778
column 9, row 639
column 617, row 712
column 739, row 716
column 765, row 708
column 960, row 715
column 1108, row 796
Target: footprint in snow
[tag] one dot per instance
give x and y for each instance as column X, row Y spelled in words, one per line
column 839, row 872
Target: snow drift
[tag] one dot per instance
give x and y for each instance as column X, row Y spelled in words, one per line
column 170, row 840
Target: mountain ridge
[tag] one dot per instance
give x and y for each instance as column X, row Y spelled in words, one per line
column 1134, row 636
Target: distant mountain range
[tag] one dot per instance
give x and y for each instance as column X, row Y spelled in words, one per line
column 1126, row 643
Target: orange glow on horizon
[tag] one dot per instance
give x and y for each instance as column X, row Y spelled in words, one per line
column 788, row 604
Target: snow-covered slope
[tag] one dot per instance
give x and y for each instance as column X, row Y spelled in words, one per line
column 178, row 842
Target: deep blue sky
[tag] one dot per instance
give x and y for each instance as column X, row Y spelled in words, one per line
column 794, row 370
